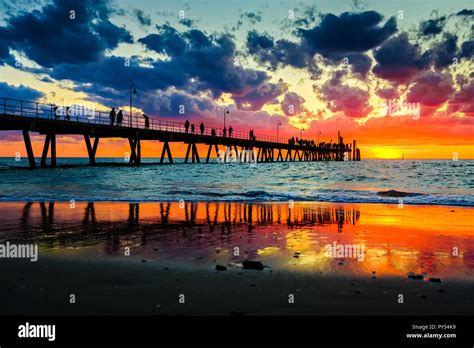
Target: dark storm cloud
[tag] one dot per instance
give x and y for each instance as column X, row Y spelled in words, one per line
column 467, row 49
column 463, row 100
column 4, row 51
column 431, row 88
column 432, row 26
column 387, row 93
column 51, row 36
column 256, row 42
column 259, row 96
column 209, row 60
column 445, row 52
column 279, row 53
column 398, row 59
column 195, row 63
column 442, row 54
column 169, row 41
column 348, row 33
column 176, row 104
column 292, row 104
column 166, row 103
column 465, row 12
column 20, row 93
column 335, row 38
column 361, row 63
column 117, row 73
column 352, row 101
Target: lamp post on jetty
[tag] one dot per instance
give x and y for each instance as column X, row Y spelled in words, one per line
column 133, row 91
column 226, row 111
column 278, row 125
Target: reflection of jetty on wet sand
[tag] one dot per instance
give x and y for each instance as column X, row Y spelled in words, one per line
column 175, row 248
column 403, row 239
column 170, row 216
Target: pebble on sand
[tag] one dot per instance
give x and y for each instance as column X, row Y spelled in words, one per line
column 253, row 265
column 434, row 280
column 412, row 275
column 221, row 268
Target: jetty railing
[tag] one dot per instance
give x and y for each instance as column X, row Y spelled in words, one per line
column 88, row 115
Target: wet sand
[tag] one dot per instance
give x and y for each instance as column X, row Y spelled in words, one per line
column 174, row 250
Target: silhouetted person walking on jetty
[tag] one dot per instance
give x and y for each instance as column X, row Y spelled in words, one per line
column 201, row 127
column 192, row 128
column 186, row 126
column 213, row 132
column 67, row 115
column 147, row 121
column 230, row 131
column 119, row 118
column 224, row 132
column 112, row 116
column 251, row 134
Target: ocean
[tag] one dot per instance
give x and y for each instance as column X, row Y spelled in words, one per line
column 437, row 182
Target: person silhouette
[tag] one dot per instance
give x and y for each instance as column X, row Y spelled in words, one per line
column 147, row 121
column 112, row 116
column 192, row 128
column 186, row 126
column 201, row 127
column 67, row 115
column 224, row 132
column 55, row 111
column 119, row 118
column 230, row 131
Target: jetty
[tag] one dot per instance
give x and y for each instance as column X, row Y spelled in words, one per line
column 55, row 120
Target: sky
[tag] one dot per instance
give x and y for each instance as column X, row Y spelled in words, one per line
column 395, row 75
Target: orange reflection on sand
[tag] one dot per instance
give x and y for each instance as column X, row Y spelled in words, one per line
column 435, row 240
